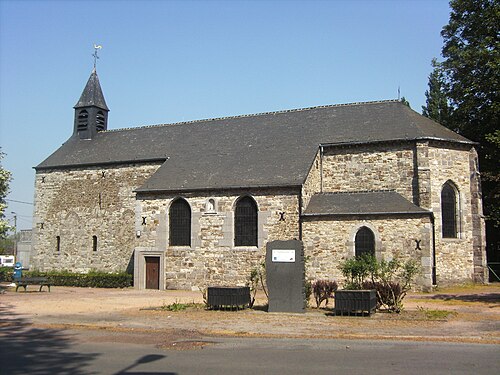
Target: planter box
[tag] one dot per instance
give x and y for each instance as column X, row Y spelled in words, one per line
column 228, row 297
column 355, row 302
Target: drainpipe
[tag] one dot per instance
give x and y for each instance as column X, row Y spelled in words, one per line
column 300, row 214
column 321, row 150
column 434, row 277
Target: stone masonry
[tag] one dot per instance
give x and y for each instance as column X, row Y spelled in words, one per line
column 369, row 167
column 212, row 258
column 417, row 171
column 76, row 204
column 330, row 241
column 455, row 256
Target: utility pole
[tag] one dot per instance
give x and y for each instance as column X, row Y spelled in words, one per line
column 15, row 235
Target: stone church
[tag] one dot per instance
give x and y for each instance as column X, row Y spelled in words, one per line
column 193, row 204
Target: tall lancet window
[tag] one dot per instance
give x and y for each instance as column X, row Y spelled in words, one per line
column 245, row 222
column 449, row 211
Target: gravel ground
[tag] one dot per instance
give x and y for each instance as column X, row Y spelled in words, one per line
column 468, row 314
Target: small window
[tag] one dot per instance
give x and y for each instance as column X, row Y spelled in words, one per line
column 180, row 223
column 94, row 243
column 82, row 120
column 100, row 121
column 58, row 243
column 449, row 211
column 365, row 242
column 245, row 222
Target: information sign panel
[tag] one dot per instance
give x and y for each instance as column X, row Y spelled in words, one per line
column 286, row 256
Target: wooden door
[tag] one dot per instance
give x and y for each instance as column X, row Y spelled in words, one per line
column 152, row 273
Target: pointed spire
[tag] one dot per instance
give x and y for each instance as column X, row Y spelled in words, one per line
column 91, row 111
column 92, row 94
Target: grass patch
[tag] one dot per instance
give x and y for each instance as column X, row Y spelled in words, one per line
column 178, row 306
column 436, row 314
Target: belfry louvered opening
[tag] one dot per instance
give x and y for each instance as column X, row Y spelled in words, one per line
column 83, row 120
column 100, row 121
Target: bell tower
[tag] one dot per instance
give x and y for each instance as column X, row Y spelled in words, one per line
column 91, row 111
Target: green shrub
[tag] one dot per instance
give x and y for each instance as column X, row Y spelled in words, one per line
column 93, row 279
column 391, row 279
column 6, row 273
column 358, row 269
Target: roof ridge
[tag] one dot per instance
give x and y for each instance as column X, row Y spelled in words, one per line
column 358, row 192
column 254, row 114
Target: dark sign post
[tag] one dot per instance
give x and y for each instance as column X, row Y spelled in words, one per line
column 285, row 274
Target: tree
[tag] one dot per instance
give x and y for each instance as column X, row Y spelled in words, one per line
column 437, row 106
column 5, row 178
column 464, row 92
column 471, row 66
column 405, row 101
column 469, row 79
column 472, row 72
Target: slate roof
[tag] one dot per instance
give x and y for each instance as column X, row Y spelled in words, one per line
column 261, row 150
column 357, row 203
column 92, row 94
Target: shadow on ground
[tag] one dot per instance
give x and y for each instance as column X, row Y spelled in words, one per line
column 145, row 359
column 25, row 349
column 28, row 350
column 484, row 297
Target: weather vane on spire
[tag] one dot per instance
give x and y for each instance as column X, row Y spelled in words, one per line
column 96, row 47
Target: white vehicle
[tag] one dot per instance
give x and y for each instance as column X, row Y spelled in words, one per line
column 7, row 260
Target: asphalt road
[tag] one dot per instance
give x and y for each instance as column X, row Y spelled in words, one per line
column 251, row 356
column 86, row 331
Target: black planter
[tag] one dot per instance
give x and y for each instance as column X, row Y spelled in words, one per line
column 228, row 297
column 355, row 302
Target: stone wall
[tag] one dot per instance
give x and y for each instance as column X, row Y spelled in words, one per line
column 212, row 258
column 312, row 185
column 370, row 167
column 454, row 256
column 330, row 241
column 77, row 204
column 418, row 172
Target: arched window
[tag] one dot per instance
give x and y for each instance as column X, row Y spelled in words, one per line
column 83, row 118
column 364, row 242
column 211, row 205
column 94, row 243
column 100, row 121
column 449, row 211
column 245, row 222
column 180, row 223
column 58, row 243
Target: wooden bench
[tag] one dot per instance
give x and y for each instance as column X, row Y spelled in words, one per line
column 25, row 281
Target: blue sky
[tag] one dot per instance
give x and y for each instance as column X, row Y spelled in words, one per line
column 170, row 61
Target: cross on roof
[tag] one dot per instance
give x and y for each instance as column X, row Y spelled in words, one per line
column 96, row 47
